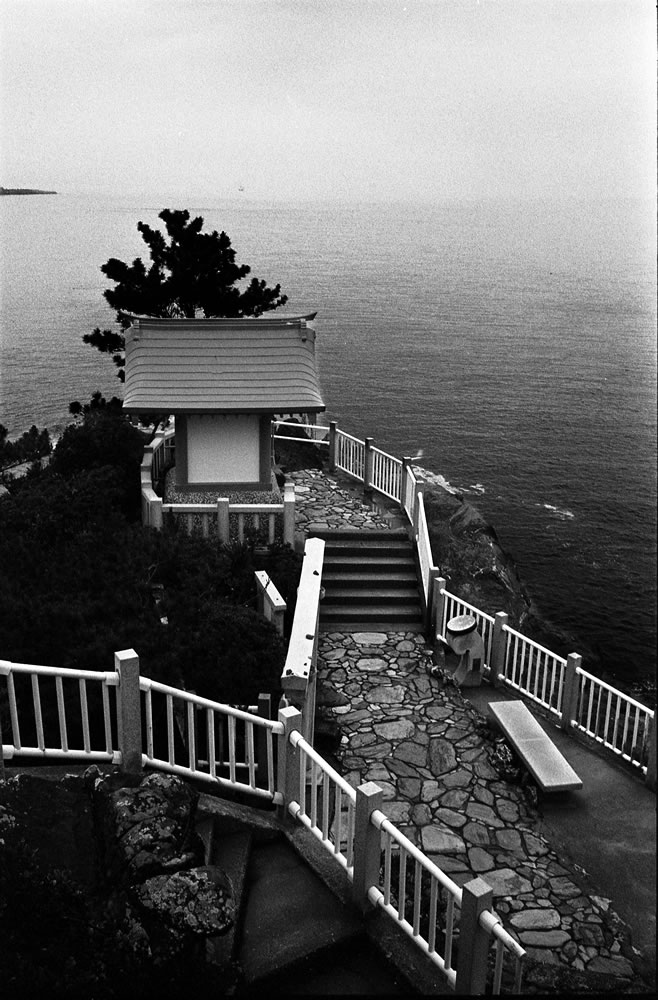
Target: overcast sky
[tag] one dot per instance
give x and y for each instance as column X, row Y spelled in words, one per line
column 330, row 98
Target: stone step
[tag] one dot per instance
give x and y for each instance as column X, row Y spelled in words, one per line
column 378, row 563
column 360, row 545
column 352, row 968
column 338, row 578
column 400, row 596
column 290, row 914
column 231, row 854
column 371, row 613
column 332, row 625
column 352, row 534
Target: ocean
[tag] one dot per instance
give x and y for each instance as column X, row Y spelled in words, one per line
column 511, row 345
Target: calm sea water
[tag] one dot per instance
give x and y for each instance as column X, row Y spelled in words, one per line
column 513, row 344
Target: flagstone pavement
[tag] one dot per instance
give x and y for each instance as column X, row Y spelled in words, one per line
column 431, row 753
column 409, row 729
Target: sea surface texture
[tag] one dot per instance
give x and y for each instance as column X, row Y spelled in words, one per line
column 510, row 345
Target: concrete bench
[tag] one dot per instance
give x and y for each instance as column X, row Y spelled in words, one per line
column 537, row 751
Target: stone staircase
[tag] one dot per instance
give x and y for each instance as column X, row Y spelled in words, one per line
column 370, row 581
column 293, row 934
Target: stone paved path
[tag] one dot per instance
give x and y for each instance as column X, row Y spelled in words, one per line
column 325, row 500
column 431, row 753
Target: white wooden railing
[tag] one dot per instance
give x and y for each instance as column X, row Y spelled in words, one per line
column 299, row 677
column 349, row 456
column 270, row 603
column 316, row 433
column 386, row 474
column 613, row 719
column 449, row 606
column 82, row 722
column 577, row 699
column 153, row 725
column 221, row 744
column 533, row 671
column 455, row 929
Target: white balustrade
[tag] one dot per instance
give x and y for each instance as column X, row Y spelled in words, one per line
column 613, row 719
column 534, row 671
column 71, row 715
column 452, row 607
column 350, row 455
column 192, row 736
column 386, row 474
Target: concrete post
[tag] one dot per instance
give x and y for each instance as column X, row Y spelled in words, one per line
column 264, row 712
column 223, row 528
column 333, row 427
column 289, row 514
column 2, row 756
column 498, row 646
column 477, row 896
column 433, row 600
column 288, row 759
column 416, row 509
column 367, row 467
column 406, row 484
column 156, row 516
column 367, row 843
column 126, row 662
column 570, row 692
column 651, row 759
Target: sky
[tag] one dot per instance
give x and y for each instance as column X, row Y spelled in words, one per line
column 362, row 100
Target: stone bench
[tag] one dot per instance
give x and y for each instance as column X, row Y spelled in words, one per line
column 537, row 751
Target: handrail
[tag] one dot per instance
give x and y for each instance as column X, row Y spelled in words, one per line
column 319, row 786
column 70, row 725
column 490, row 922
column 299, row 677
column 613, row 719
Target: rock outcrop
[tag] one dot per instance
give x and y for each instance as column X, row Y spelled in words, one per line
column 468, row 554
column 114, row 872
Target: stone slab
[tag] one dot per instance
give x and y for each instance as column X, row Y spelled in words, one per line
column 551, row 771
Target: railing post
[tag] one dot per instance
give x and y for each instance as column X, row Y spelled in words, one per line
column 223, row 527
column 288, row 759
column 155, row 513
column 498, row 646
column 430, row 614
column 406, row 474
column 333, row 440
column 416, row 508
column 471, row 980
column 289, row 514
column 367, row 843
column 264, row 712
column 2, row 755
column 651, row 759
column 126, row 663
column 570, row 691
column 367, row 467
column 438, row 603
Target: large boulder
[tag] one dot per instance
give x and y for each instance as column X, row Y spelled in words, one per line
column 147, row 829
column 197, row 902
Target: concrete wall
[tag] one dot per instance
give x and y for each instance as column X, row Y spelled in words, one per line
column 223, row 449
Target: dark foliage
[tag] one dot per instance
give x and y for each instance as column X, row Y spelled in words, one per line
column 29, row 447
column 62, row 941
column 190, row 272
column 81, row 578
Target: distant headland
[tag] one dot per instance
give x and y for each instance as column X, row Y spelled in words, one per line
column 24, row 191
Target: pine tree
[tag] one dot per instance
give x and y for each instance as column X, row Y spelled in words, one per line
column 190, row 273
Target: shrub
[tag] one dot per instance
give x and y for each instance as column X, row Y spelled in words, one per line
column 224, row 653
